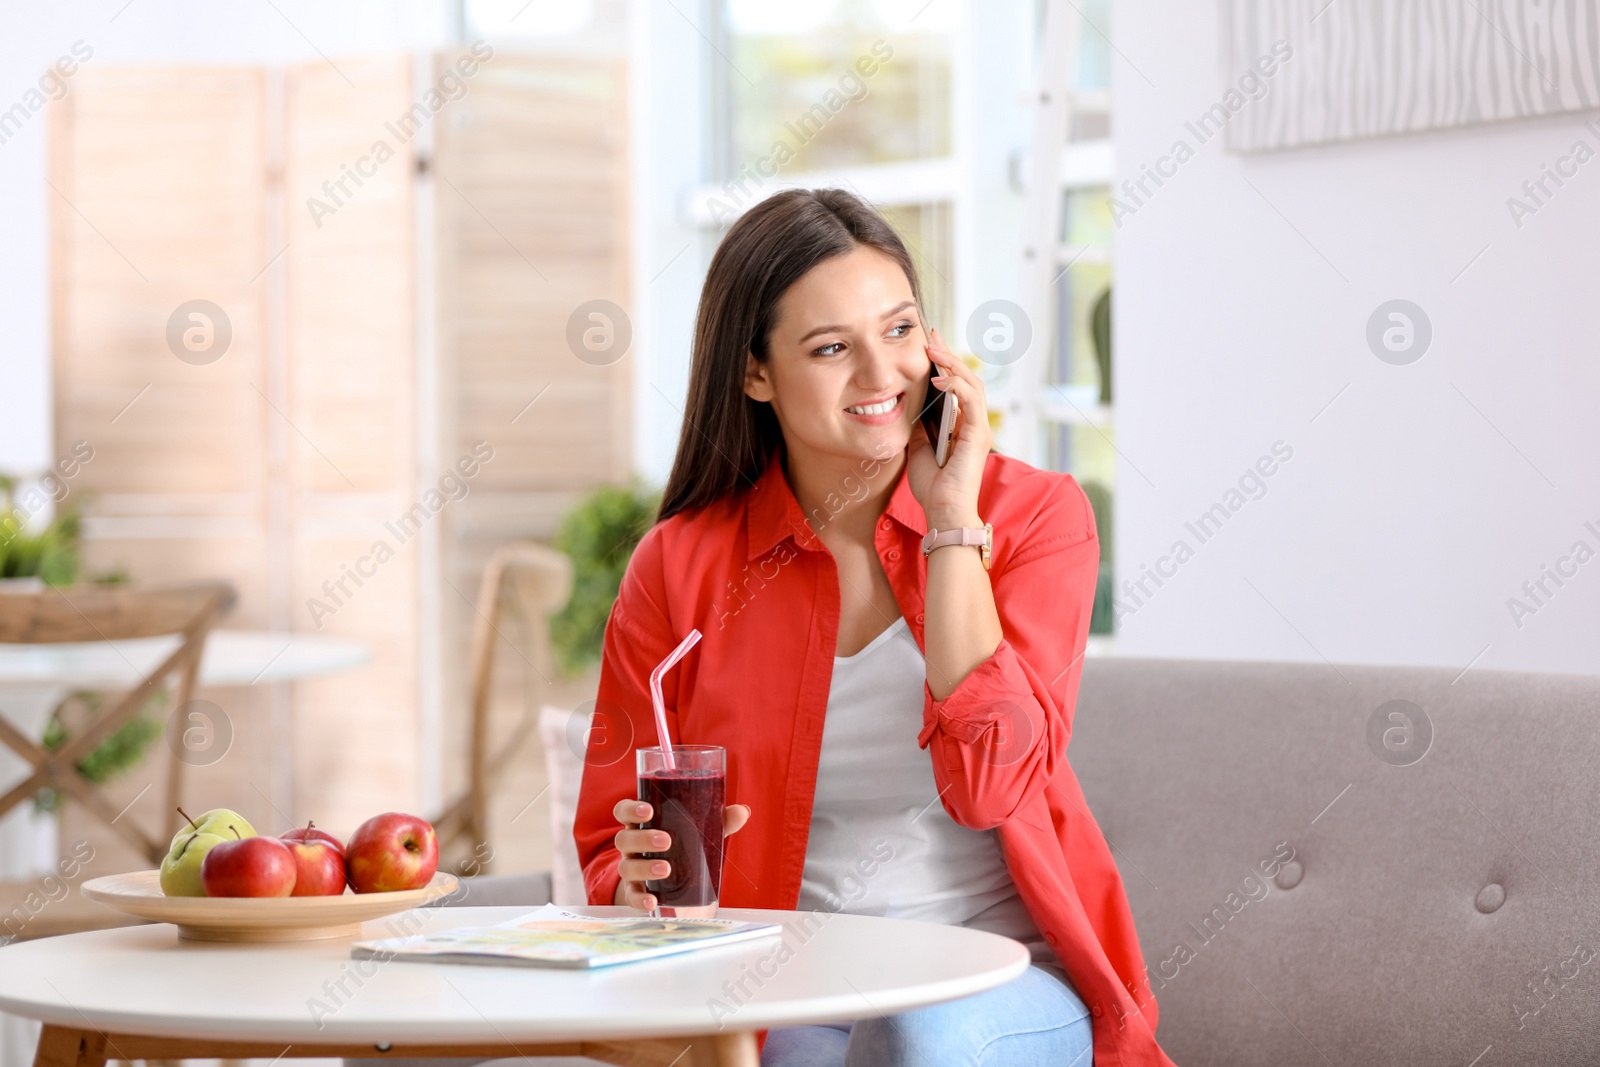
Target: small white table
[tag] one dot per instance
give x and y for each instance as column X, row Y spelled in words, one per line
column 34, row 679
column 232, row 657
column 138, row 992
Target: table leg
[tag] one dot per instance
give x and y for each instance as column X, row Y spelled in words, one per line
column 60, row 1046
column 706, row 1050
column 726, row 1050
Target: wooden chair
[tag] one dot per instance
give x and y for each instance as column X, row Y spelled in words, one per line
column 61, row 616
column 532, row 581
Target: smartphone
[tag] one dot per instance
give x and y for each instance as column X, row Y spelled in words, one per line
column 939, row 416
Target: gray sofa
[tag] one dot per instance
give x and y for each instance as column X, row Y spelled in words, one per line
column 1442, row 911
column 1316, row 881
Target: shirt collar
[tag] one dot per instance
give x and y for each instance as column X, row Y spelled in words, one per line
column 903, row 506
column 773, row 513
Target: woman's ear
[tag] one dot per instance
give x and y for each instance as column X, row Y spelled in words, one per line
column 757, row 379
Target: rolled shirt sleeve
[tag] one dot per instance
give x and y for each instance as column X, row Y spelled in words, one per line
column 998, row 740
column 638, row 636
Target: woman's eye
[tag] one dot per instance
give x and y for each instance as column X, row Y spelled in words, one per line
column 829, row 350
column 901, row 329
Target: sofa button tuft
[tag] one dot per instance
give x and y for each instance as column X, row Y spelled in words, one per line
column 1490, row 897
column 1289, row 875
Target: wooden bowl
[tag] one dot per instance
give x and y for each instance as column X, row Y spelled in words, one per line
column 257, row 918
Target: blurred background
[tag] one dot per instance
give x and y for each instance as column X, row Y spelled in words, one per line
column 333, row 302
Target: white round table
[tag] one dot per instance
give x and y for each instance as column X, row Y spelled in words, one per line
column 232, row 657
column 138, row 992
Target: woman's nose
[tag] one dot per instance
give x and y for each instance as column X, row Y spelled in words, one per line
column 876, row 369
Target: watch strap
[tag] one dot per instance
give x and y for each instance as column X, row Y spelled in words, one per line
column 965, row 535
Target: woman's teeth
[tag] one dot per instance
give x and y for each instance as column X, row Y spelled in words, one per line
column 876, row 409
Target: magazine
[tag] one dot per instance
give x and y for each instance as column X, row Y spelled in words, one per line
column 555, row 937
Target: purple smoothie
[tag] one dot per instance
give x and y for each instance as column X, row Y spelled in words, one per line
column 687, row 804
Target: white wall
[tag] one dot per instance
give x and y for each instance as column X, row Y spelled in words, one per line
column 1419, row 501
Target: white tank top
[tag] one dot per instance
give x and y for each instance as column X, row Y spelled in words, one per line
column 881, row 842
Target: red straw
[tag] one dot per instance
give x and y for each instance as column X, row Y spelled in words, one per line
column 655, row 694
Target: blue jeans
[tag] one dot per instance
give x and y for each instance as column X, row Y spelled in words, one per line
column 1032, row 1021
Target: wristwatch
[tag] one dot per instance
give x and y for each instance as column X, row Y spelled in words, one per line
column 982, row 536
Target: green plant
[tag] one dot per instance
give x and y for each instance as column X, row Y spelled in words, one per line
column 50, row 553
column 1103, row 619
column 1100, row 333
column 599, row 536
column 116, row 755
column 1100, row 503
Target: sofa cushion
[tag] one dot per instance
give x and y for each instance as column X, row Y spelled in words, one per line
column 565, row 735
column 499, row 890
column 1307, row 892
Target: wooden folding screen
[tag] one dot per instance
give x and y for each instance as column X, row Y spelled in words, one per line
column 530, row 185
column 274, row 462
column 283, row 462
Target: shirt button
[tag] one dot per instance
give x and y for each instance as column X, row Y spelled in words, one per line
column 894, row 554
column 919, row 617
column 886, row 525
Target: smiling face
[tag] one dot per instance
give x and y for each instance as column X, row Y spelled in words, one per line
column 846, row 371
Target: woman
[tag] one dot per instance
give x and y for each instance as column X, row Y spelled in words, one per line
column 896, row 714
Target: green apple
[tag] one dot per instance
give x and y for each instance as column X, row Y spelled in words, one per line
column 180, row 871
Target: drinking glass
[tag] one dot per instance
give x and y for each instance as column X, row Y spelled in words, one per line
column 686, row 801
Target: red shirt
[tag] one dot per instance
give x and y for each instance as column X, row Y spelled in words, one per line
column 751, row 575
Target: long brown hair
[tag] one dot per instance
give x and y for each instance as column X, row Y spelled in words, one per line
column 727, row 438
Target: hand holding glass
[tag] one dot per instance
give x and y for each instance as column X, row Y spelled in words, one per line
column 672, row 836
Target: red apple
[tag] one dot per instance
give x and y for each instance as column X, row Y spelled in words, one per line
column 248, row 867
column 309, row 832
column 391, row 852
column 319, row 869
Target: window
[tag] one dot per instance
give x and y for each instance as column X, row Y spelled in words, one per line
column 852, row 94
column 936, row 137
column 786, row 60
